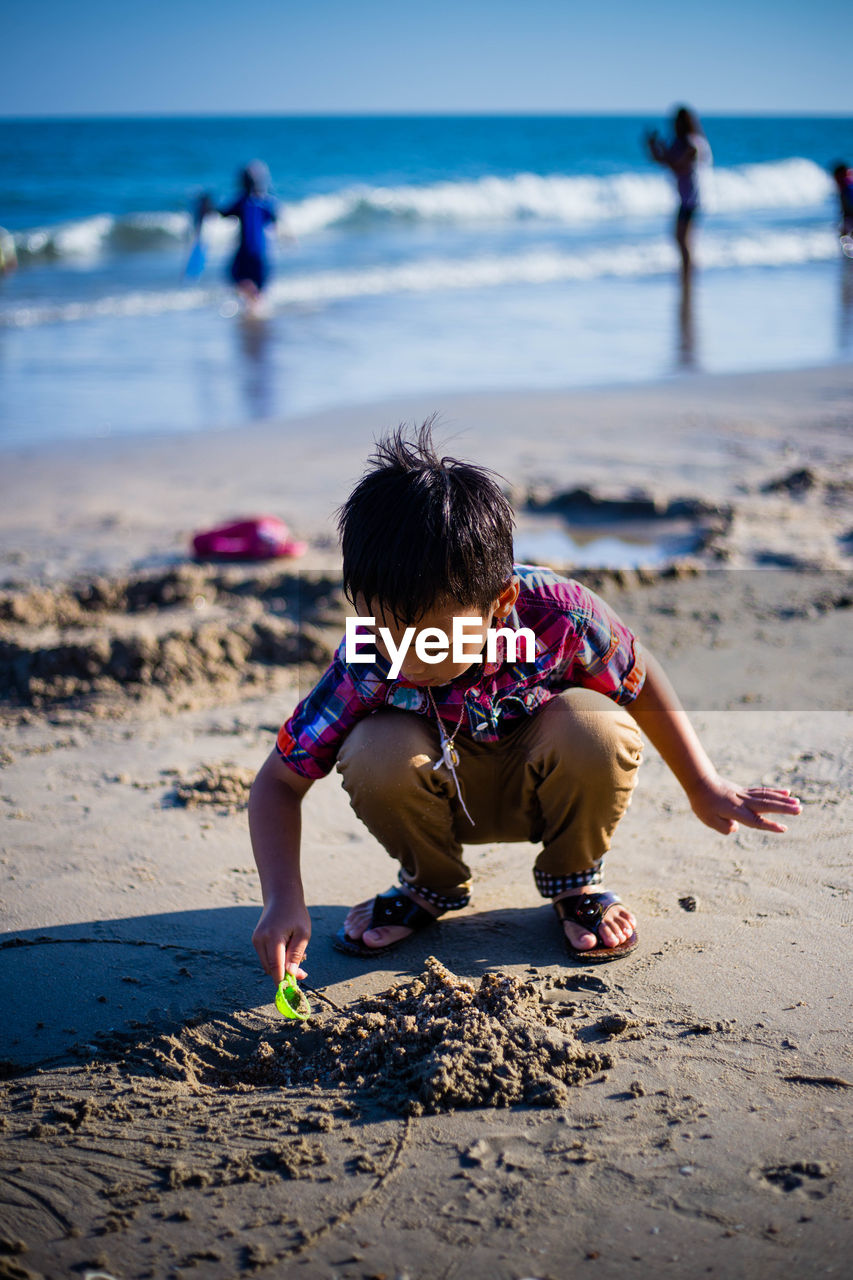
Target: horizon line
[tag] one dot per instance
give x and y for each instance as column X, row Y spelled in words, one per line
column 413, row 114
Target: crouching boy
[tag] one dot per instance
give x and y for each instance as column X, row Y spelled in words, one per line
column 527, row 728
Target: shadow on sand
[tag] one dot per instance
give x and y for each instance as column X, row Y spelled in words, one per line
column 67, row 988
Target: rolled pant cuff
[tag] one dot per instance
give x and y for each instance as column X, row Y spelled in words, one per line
column 552, row 886
column 439, row 900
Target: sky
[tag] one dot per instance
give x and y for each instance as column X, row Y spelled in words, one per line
column 99, row 57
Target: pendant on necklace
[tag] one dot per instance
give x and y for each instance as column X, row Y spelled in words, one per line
column 449, row 754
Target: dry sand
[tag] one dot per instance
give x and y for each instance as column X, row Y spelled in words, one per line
column 690, row 1110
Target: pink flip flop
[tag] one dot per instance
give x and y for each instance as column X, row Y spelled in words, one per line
column 260, row 538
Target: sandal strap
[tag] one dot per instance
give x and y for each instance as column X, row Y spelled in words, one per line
column 586, row 909
column 394, row 907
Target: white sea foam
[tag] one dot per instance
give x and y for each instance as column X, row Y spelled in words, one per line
column 787, row 184
column 568, row 201
column 623, row 259
column 546, row 267
column 790, row 184
column 90, row 238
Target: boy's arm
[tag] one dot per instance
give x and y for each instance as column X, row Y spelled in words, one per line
column 275, row 824
column 718, row 803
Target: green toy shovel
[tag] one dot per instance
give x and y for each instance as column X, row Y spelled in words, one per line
column 290, row 1001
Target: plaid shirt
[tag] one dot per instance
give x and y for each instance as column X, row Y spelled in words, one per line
column 579, row 641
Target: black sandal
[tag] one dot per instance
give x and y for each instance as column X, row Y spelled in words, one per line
column 390, row 907
column 587, row 910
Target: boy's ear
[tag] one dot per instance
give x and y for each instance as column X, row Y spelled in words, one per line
column 507, row 598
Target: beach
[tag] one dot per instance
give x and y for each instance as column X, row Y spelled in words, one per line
column 144, row 1134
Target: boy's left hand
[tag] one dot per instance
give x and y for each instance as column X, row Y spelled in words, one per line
column 723, row 805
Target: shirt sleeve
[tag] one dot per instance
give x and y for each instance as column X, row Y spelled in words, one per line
column 310, row 740
column 607, row 656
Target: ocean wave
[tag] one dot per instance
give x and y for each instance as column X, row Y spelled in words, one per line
column 546, row 267
column 623, row 259
column 92, row 238
column 795, row 183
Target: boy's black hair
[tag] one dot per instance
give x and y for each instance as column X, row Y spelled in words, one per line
column 419, row 529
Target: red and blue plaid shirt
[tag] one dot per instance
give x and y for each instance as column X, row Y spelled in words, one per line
column 579, row 641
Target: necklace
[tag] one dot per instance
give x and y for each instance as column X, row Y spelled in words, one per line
column 449, row 754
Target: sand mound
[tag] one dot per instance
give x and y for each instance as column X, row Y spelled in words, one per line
column 440, row 1043
column 191, row 627
column 225, row 786
column 437, row 1043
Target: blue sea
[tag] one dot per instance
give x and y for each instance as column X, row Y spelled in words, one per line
column 422, row 254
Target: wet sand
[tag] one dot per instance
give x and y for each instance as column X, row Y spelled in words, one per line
column 160, row 1119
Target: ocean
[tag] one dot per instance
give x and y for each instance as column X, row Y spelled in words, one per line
column 414, row 255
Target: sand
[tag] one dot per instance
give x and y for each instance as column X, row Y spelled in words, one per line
column 160, row 1119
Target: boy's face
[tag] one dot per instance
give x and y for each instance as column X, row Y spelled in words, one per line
column 423, row 674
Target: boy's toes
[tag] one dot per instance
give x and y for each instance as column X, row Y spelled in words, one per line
column 384, row 935
column 612, row 933
column 356, row 922
column 617, row 926
column 580, row 938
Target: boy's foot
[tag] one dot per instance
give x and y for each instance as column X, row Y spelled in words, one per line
column 596, row 924
column 361, row 933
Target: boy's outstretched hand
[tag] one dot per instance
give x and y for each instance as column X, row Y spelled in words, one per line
column 281, row 939
column 724, row 806
column 720, row 804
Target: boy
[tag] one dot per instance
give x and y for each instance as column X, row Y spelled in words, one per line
column 439, row 744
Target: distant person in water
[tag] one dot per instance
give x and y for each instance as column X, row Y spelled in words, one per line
column 683, row 155
column 8, row 257
column 255, row 211
column 843, row 176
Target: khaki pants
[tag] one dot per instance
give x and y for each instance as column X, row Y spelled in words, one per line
column 562, row 777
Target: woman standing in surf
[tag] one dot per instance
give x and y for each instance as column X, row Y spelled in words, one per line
column 683, row 156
